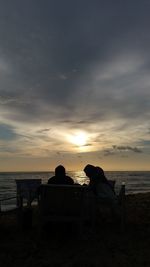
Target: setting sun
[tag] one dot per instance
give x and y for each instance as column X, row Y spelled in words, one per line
column 79, row 139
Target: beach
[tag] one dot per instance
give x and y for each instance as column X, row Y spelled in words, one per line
column 108, row 246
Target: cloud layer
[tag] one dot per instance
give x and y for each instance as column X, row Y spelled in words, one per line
column 68, row 67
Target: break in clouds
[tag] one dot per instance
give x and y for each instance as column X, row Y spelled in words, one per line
column 68, row 66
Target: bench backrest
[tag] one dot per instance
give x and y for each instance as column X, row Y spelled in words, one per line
column 65, row 200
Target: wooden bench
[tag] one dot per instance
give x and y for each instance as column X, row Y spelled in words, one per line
column 64, row 203
column 73, row 203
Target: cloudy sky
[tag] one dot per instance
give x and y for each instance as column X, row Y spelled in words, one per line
column 74, row 84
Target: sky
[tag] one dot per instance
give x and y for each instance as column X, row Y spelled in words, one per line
column 74, row 84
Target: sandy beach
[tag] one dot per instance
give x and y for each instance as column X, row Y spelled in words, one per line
column 107, row 247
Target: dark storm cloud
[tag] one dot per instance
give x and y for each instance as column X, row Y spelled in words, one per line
column 49, row 49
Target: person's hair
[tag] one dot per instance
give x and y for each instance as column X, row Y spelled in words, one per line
column 100, row 170
column 60, row 170
column 89, row 170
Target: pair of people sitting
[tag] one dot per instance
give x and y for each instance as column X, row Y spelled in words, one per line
column 99, row 184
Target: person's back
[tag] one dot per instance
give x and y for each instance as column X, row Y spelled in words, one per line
column 102, row 189
column 60, row 177
column 99, row 183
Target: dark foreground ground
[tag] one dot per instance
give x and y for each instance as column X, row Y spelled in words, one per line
column 107, row 247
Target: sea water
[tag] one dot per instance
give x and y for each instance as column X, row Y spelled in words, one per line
column 135, row 182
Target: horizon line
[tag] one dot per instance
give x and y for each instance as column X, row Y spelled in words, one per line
column 71, row 171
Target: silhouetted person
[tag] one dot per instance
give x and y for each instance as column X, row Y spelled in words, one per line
column 99, row 183
column 102, row 189
column 102, row 177
column 60, row 177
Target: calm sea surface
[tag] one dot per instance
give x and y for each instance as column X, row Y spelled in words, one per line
column 136, row 182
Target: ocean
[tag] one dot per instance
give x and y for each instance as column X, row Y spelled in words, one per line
column 135, row 181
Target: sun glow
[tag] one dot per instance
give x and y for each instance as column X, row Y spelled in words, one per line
column 79, row 139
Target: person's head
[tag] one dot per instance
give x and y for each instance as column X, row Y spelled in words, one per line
column 60, row 171
column 100, row 171
column 90, row 170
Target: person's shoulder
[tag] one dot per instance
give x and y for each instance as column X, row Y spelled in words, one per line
column 70, row 179
column 51, row 180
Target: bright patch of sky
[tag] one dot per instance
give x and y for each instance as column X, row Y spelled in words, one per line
column 71, row 69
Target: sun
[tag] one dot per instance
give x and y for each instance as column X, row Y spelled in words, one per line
column 79, row 139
